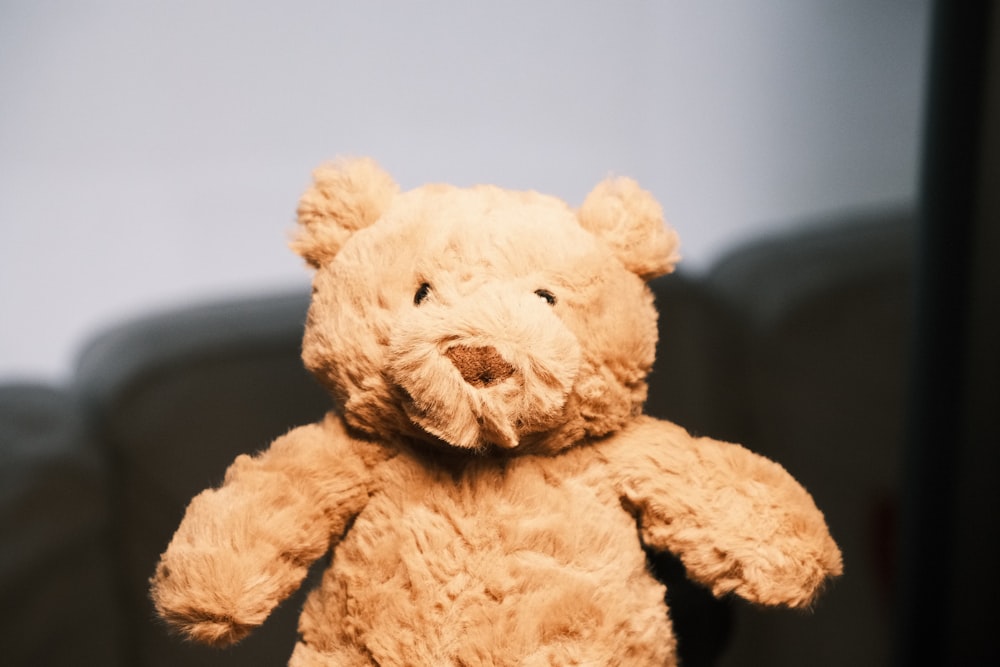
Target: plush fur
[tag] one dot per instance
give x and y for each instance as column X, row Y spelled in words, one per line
column 488, row 481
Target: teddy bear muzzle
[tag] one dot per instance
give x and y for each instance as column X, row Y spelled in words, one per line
column 491, row 369
column 480, row 366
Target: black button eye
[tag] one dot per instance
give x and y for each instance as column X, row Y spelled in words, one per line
column 549, row 297
column 422, row 292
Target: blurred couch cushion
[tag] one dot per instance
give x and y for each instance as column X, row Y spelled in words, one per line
column 176, row 396
column 826, row 316
column 56, row 578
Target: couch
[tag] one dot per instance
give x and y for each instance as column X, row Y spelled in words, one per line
column 794, row 344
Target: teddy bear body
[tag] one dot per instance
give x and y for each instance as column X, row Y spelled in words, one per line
column 520, row 561
column 488, row 484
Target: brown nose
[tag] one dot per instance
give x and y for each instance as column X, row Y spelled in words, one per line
column 480, row 366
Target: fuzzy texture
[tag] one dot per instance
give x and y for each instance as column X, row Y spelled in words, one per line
column 346, row 196
column 487, row 482
column 631, row 222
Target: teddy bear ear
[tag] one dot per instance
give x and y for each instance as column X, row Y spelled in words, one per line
column 629, row 219
column 346, row 195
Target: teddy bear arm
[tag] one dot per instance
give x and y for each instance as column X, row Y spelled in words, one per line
column 244, row 547
column 738, row 521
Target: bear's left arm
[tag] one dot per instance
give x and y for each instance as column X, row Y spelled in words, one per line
column 738, row 521
column 245, row 546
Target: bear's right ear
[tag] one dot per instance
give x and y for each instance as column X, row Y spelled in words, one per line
column 346, row 195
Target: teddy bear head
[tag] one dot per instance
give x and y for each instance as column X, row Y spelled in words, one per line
column 480, row 318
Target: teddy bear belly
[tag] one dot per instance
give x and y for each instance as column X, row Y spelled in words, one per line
column 518, row 570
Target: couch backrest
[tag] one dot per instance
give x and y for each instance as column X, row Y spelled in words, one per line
column 176, row 397
column 825, row 317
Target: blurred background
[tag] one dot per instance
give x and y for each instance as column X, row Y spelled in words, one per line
column 152, row 153
column 830, row 167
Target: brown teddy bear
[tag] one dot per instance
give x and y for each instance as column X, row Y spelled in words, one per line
column 488, row 482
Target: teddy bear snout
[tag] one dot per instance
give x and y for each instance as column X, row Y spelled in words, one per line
column 480, row 366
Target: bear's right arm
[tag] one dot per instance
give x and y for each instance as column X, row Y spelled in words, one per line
column 245, row 546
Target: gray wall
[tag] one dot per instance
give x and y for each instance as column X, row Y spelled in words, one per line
column 152, row 153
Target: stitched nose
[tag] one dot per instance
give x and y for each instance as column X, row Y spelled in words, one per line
column 480, row 366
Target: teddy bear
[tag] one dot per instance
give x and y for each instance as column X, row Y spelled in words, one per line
column 487, row 485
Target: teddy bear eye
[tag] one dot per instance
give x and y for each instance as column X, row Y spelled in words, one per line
column 549, row 297
column 422, row 292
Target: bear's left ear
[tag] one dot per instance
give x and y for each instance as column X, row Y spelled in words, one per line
column 628, row 219
column 346, row 195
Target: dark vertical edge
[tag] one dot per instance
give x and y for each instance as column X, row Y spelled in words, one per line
column 939, row 521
